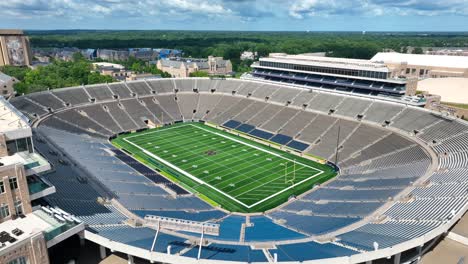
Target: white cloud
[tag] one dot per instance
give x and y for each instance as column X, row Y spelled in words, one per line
column 308, row 8
column 89, row 8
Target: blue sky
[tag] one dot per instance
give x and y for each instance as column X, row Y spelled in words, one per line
column 313, row 15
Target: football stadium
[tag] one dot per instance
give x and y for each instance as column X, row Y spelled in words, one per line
column 210, row 170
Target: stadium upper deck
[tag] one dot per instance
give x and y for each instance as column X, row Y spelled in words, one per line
column 350, row 75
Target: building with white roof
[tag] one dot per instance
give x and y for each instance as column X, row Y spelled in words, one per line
column 422, row 65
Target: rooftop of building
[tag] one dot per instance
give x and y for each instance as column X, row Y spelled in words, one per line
column 33, row 162
column 422, row 59
column 108, row 65
column 30, row 225
column 10, row 118
column 11, row 32
column 452, row 89
column 313, row 60
column 4, row 78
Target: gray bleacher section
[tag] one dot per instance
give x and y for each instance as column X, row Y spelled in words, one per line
column 248, row 88
column 138, row 112
column 157, row 110
column 250, row 111
column 380, row 112
column 352, row 107
column 46, row 99
column 168, row 103
column 206, row 103
column 444, row 129
column 264, row 91
column 304, row 98
column 362, row 137
column 390, row 143
column 336, row 133
column 54, row 122
column 187, row 104
column 83, row 122
column 227, row 86
column 139, row 87
column 297, row 123
column 222, row 106
column 120, row 89
column 319, row 125
column 100, row 92
column 184, row 85
column 265, row 114
column 203, row 85
column 285, row 95
column 232, row 111
column 281, row 118
column 122, row 117
column 324, row 102
column 412, row 119
column 27, row 107
column 161, row 86
column 102, row 117
column 74, row 96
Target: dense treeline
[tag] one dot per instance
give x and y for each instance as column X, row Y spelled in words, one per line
column 231, row 44
column 55, row 75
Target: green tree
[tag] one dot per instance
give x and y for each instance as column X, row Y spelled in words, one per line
column 199, row 74
column 58, row 74
column 417, row 50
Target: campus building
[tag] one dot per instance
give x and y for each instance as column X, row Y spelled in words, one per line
column 182, row 67
column 423, row 66
column 14, row 48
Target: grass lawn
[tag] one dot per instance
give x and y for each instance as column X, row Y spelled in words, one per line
column 232, row 172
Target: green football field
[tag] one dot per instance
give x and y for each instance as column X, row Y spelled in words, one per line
column 229, row 171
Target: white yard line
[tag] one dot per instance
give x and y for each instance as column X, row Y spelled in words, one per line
column 255, row 147
column 212, row 187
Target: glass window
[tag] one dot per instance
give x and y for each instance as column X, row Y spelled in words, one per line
column 11, row 147
column 22, row 145
column 30, row 145
column 13, row 183
column 4, row 212
column 18, row 207
column 20, row 260
column 2, row 187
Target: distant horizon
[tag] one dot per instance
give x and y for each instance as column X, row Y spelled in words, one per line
column 233, row 30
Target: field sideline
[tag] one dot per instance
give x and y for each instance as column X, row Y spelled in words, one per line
column 236, row 173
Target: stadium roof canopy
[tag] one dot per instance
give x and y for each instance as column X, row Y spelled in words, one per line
column 422, row 59
column 305, row 59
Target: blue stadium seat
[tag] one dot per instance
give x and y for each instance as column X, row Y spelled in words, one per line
column 232, row 124
column 263, row 229
column 281, row 139
column 298, row 145
column 246, row 128
column 228, row 252
column 310, row 251
column 261, row 134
